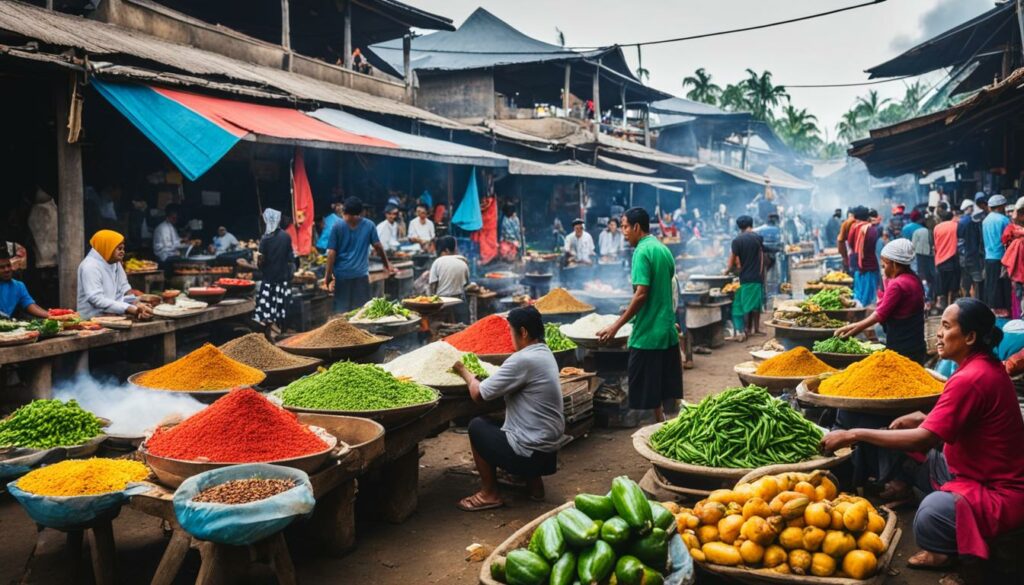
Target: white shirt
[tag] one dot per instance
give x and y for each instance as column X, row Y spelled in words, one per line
column 451, row 273
column 388, row 234
column 165, row 241
column 421, row 231
column 225, row 243
column 102, row 287
column 610, row 244
column 582, row 247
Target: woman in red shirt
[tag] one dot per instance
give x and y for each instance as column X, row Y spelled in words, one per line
column 975, row 486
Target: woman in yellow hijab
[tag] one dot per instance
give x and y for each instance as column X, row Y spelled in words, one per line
column 103, row 287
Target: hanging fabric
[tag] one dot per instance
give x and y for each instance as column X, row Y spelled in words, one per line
column 301, row 228
column 487, row 237
column 467, row 216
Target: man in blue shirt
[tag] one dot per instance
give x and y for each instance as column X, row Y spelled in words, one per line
column 14, row 295
column 997, row 286
column 348, row 262
column 332, row 218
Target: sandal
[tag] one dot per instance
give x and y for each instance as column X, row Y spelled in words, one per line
column 919, row 561
column 476, row 503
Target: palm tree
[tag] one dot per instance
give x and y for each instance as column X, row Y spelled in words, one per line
column 851, row 127
column 703, row 89
column 734, row 98
column 799, row 129
column 762, row 95
column 833, row 150
column 870, row 109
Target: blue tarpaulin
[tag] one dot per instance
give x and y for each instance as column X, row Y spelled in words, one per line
column 468, row 216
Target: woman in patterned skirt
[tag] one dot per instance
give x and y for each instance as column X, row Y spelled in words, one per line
column 277, row 263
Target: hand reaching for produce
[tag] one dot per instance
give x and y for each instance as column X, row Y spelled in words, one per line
column 460, row 369
column 605, row 335
column 836, row 440
column 847, row 331
column 908, row 421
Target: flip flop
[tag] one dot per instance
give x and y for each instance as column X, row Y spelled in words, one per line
column 475, row 504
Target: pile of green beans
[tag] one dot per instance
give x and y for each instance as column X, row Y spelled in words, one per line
column 739, row 428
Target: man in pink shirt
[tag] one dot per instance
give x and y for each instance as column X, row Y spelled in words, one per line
column 947, row 264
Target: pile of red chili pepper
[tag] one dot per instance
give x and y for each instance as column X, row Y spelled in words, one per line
column 241, row 427
column 490, row 335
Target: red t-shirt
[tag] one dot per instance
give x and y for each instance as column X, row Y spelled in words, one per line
column 903, row 296
column 979, row 419
column 945, row 241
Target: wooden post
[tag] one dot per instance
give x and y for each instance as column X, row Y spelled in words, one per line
column 647, row 125
column 348, row 35
column 286, row 34
column 70, row 200
column 566, row 89
column 407, row 65
column 622, row 100
column 597, row 98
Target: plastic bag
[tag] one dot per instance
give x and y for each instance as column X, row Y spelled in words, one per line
column 72, row 511
column 242, row 524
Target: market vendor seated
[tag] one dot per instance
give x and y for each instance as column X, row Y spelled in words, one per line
column 527, row 444
column 975, row 485
column 14, row 295
column 103, row 287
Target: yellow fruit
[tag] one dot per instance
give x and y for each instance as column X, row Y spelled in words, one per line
column 708, row 534
column 709, row 512
column 751, row 552
column 796, row 523
column 830, row 488
column 837, row 543
column 756, row 529
column 722, row 554
column 876, row 523
column 729, row 528
column 859, row 564
column 672, row 507
column 822, row 565
column 783, row 482
column 690, row 539
column 791, row 538
column 819, row 494
column 774, row 556
column 733, row 508
column 871, row 542
column 795, row 508
column 777, row 524
column 813, row 538
column 799, row 561
column 686, row 521
column 805, row 488
column 783, row 568
column 743, row 493
column 841, row 505
column 766, row 488
column 755, row 506
column 697, row 554
column 818, row 514
column 855, row 518
column 837, row 520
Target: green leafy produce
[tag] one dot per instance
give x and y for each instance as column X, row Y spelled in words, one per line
column 830, row 299
column 818, row 321
column 848, row 345
column 380, row 307
column 45, row 327
column 738, row 428
column 43, row 424
column 472, row 363
column 351, row 386
column 8, row 326
column 555, row 340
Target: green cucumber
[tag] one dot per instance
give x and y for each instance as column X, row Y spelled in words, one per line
column 564, row 571
column 596, row 563
column 631, row 504
column 547, row 540
column 597, row 507
column 615, row 531
column 523, row 567
column 629, row 570
column 662, row 517
column 578, row 529
column 498, row 569
column 652, row 549
column 652, row 577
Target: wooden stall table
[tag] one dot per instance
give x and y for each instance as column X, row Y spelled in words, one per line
column 474, row 299
column 147, row 281
column 705, row 323
column 40, row 357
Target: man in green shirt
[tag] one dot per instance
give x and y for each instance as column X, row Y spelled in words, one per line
column 655, row 365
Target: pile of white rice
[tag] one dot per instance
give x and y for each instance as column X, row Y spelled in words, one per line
column 587, row 327
column 430, row 365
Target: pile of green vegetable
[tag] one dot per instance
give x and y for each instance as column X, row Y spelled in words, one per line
column 43, row 424
column 830, row 299
column 817, row 321
column 379, row 308
column 738, row 428
column 351, row 386
column 848, row 345
column 621, row 537
column 45, row 327
column 555, row 339
column 472, row 364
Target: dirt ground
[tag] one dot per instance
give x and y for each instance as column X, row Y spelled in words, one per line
column 427, row 548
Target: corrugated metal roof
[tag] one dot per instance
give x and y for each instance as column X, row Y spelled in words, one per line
column 114, row 43
column 518, row 166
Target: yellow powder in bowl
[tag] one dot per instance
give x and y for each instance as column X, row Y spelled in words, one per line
column 885, row 374
column 798, row 361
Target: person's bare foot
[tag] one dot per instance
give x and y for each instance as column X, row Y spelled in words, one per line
column 480, row 501
column 896, row 490
column 924, row 559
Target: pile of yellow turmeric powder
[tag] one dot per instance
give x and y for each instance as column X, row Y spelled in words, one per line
column 798, row 361
column 206, row 368
column 885, row 374
column 83, row 477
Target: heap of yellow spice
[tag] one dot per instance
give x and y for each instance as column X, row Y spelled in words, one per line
column 83, row 477
column 798, row 361
column 560, row 300
column 885, row 374
column 206, row 368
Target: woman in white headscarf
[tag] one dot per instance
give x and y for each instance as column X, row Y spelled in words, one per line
column 277, row 264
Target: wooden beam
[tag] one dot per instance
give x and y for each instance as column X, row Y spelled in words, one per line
column 286, row 34
column 566, row 89
column 622, row 100
column 407, row 65
column 348, row 35
column 70, row 199
column 597, row 98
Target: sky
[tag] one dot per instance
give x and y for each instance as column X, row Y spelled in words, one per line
column 830, row 50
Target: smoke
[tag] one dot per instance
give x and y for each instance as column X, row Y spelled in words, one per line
column 945, row 15
column 132, row 411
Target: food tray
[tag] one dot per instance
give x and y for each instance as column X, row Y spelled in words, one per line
column 364, row 437
column 336, row 353
column 423, row 308
column 204, row 396
column 172, row 472
column 682, row 563
column 774, row 384
column 679, row 473
column 24, row 340
column 840, row 360
column 389, row 418
column 807, row 393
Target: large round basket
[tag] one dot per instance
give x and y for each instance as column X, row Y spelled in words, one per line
column 807, row 393
column 364, row 437
column 682, row 564
column 336, row 353
column 776, row 385
column 840, row 360
column 697, row 478
column 391, row 328
column 389, row 418
column 791, row 337
column 423, row 308
column 204, row 396
column 171, row 472
column 851, row 315
column 282, row 376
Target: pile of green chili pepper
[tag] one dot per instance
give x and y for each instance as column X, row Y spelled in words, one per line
column 848, row 345
column 738, row 428
column 472, row 363
column 351, row 386
column 555, row 340
column 43, row 424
